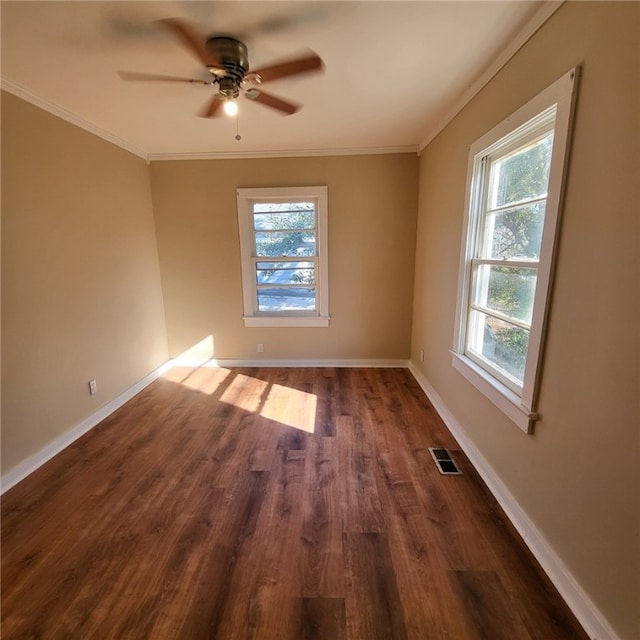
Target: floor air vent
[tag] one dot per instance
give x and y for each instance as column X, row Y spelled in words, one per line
column 445, row 463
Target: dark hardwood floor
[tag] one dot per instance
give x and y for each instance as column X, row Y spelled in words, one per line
column 268, row 503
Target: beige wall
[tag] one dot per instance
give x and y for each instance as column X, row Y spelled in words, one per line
column 81, row 293
column 372, row 224
column 577, row 476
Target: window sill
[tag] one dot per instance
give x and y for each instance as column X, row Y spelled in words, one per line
column 505, row 399
column 286, row 321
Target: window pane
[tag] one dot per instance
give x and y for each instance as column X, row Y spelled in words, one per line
column 266, row 207
column 522, row 175
column 509, row 290
column 514, row 234
column 283, row 215
column 499, row 342
column 285, row 273
column 285, row 243
column 286, row 299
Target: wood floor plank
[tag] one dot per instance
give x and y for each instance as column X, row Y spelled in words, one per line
column 373, row 606
column 322, row 559
column 266, row 577
column 325, row 388
column 489, row 612
column 268, row 503
column 363, row 512
column 431, row 606
column 432, row 609
column 235, row 534
column 320, row 619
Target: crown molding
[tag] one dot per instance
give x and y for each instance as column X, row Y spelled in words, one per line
column 548, row 8
column 287, row 153
column 63, row 114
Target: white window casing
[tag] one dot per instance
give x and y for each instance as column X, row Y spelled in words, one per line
column 549, row 113
column 315, row 313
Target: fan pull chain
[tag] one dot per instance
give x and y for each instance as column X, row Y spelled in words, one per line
column 238, row 136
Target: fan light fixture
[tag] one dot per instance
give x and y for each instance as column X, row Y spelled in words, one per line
column 230, row 107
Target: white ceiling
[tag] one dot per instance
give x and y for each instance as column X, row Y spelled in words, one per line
column 395, row 71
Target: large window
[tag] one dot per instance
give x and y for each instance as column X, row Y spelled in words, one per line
column 514, row 191
column 283, row 242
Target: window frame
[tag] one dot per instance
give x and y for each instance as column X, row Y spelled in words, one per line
column 246, row 197
column 527, row 122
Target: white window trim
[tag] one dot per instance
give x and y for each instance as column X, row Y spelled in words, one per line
column 519, row 408
column 252, row 317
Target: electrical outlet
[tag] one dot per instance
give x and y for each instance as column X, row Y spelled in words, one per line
column 260, row 347
column 93, row 387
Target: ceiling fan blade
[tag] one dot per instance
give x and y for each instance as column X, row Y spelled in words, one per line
column 192, row 40
column 212, row 108
column 269, row 100
column 135, row 76
column 289, row 68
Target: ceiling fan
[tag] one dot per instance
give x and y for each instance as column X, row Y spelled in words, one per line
column 226, row 59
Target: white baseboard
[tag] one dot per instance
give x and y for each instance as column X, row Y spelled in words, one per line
column 589, row 616
column 30, row 464
column 379, row 363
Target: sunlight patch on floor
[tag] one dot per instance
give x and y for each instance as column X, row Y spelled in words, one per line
column 291, row 407
column 245, row 392
column 201, row 379
column 285, row 405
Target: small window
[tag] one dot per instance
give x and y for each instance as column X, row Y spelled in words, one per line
column 515, row 181
column 283, row 244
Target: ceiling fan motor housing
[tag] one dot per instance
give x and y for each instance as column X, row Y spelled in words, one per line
column 233, row 63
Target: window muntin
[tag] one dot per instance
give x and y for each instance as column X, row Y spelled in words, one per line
column 514, row 233
column 505, row 291
column 514, row 192
column 283, row 244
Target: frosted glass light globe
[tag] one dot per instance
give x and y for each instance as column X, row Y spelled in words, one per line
column 230, row 107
